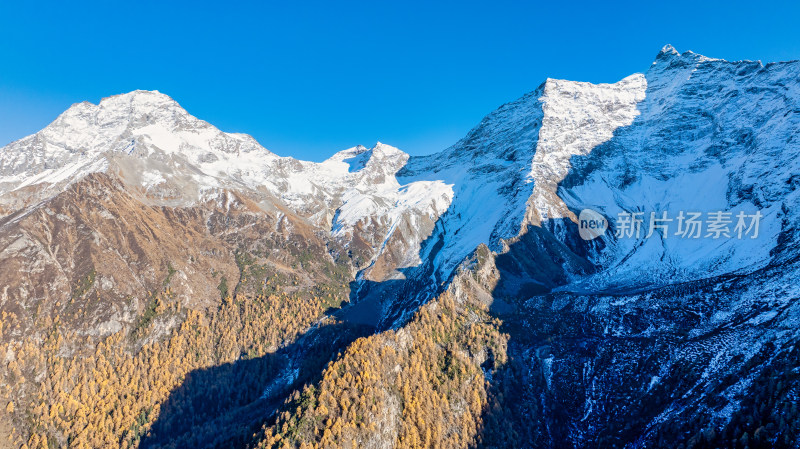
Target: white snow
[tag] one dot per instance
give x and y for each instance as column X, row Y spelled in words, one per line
column 693, row 134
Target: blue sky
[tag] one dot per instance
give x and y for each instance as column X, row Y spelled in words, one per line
column 307, row 79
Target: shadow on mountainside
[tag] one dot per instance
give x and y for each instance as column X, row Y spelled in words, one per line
column 682, row 365
column 389, row 303
column 618, row 369
column 579, row 373
column 613, row 371
column 223, row 406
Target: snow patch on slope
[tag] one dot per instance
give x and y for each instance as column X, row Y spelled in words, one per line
column 711, row 136
column 577, row 118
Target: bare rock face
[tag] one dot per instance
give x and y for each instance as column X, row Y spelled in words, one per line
column 95, row 253
column 114, row 202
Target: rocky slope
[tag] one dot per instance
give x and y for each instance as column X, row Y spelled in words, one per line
column 626, row 340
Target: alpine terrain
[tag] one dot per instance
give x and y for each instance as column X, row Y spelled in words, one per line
column 164, row 284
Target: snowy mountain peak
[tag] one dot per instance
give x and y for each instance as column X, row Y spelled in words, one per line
column 670, row 56
column 145, row 136
column 139, row 107
column 524, row 165
column 578, row 117
column 666, row 56
column 380, row 158
column 709, row 135
column 668, row 50
column 139, row 98
column 389, row 156
column 139, row 120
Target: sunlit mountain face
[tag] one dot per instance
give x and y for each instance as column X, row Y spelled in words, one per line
column 592, row 265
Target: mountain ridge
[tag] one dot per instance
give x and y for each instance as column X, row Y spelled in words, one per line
column 158, row 229
column 515, row 159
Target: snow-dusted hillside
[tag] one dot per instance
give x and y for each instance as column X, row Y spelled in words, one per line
column 170, row 157
column 630, row 339
column 145, row 126
column 506, row 171
column 692, row 134
column 710, row 135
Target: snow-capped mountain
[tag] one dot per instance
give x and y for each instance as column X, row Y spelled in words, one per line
column 172, row 158
column 709, row 136
column 117, row 190
column 155, row 134
column 692, row 134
